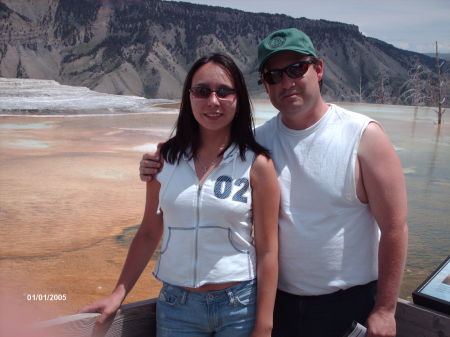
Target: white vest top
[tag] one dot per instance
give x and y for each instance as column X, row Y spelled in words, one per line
column 328, row 238
column 207, row 229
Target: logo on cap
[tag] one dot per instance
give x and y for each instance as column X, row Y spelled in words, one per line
column 277, row 41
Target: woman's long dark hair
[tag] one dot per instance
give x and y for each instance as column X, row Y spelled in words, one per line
column 186, row 140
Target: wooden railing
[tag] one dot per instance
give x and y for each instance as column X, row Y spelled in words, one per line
column 132, row 320
column 139, row 320
column 417, row 321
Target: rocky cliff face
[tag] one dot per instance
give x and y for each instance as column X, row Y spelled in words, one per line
column 144, row 47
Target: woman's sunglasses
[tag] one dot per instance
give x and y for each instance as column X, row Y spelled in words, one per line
column 204, row 92
column 294, row 71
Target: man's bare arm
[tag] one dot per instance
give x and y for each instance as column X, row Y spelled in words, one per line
column 384, row 184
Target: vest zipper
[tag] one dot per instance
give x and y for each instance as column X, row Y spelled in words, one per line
column 199, row 191
column 196, row 234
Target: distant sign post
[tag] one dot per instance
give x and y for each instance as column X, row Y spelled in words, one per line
column 434, row 292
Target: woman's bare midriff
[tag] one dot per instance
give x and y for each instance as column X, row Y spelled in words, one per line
column 211, row 287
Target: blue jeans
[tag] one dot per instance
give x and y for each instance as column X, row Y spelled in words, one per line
column 223, row 313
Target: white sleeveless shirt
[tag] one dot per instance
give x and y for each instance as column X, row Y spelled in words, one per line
column 207, row 228
column 328, row 238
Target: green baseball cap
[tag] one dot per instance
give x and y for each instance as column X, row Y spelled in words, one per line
column 290, row 39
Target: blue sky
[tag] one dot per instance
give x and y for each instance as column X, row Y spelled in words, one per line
column 408, row 24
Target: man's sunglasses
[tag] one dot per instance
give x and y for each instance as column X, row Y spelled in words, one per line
column 204, row 92
column 294, row 71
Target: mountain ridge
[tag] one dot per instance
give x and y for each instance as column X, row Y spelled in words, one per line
column 145, row 47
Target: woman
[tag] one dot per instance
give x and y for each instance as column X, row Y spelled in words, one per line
column 216, row 202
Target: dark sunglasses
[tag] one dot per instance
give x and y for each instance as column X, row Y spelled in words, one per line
column 204, row 92
column 294, row 71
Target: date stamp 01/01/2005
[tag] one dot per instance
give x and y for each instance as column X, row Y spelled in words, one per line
column 45, row 297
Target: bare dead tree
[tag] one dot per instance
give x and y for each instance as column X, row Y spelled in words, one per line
column 439, row 87
column 383, row 93
column 416, row 90
column 360, row 89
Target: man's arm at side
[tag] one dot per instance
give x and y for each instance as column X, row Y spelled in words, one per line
column 384, row 185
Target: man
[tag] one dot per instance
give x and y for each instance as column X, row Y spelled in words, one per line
column 343, row 230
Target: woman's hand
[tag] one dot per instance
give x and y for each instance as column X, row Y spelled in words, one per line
column 106, row 307
column 261, row 332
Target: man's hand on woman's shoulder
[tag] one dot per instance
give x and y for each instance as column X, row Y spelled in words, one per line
column 150, row 165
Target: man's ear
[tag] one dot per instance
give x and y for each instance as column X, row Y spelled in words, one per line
column 319, row 67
